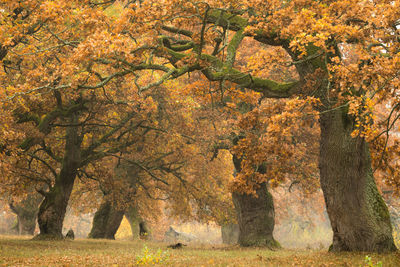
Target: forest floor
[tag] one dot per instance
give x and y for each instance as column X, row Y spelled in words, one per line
column 17, row 251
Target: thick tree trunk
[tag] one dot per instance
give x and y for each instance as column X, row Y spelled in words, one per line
column 359, row 217
column 26, row 212
column 139, row 226
column 26, row 223
column 256, row 218
column 230, row 233
column 106, row 221
column 255, row 214
column 52, row 210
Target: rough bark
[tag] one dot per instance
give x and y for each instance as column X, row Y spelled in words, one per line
column 26, row 222
column 256, row 218
column 230, row 233
column 26, row 212
column 139, row 226
column 53, row 208
column 359, row 217
column 106, row 221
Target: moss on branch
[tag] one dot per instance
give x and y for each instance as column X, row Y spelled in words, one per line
column 227, row 20
column 27, row 143
column 26, row 117
column 233, row 46
column 166, row 42
column 268, row 87
column 218, row 70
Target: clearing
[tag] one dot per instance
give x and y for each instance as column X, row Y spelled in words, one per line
column 20, row 251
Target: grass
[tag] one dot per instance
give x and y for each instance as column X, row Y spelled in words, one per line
column 17, row 251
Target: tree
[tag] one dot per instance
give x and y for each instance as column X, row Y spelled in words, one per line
column 106, row 221
column 167, row 164
column 68, row 127
column 311, row 33
column 65, row 131
column 265, row 156
column 262, row 153
column 138, row 225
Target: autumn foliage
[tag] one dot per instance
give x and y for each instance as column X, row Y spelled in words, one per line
column 147, row 103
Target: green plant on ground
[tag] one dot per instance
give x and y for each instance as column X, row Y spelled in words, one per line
column 147, row 257
column 369, row 263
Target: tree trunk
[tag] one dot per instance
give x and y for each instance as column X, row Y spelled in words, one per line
column 255, row 214
column 256, row 218
column 139, row 226
column 26, row 212
column 106, row 221
column 26, row 223
column 52, row 210
column 230, row 233
column 359, row 217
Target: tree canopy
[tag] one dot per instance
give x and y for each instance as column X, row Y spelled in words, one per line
column 87, row 84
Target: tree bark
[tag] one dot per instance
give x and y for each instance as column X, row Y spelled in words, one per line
column 255, row 214
column 27, row 211
column 139, row 226
column 256, row 218
column 53, row 208
column 230, row 233
column 26, row 222
column 359, row 217
column 106, row 221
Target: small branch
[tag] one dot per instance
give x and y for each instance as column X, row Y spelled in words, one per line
column 35, row 90
column 73, row 43
column 105, row 80
column 203, row 27
column 157, row 83
column 142, row 167
column 44, row 163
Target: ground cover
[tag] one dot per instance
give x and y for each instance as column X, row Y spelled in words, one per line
column 17, row 251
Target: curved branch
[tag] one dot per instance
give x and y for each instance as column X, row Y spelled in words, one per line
column 44, row 163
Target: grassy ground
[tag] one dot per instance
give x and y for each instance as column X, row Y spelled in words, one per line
column 16, row 251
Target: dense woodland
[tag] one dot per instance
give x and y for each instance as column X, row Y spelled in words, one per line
column 166, row 111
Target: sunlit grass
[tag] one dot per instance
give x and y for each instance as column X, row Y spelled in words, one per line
column 396, row 236
column 16, row 251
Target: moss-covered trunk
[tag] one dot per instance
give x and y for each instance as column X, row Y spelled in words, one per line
column 26, row 223
column 255, row 214
column 106, row 221
column 27, row 211
column 52, row 209
column 256, row 218
column 359, row 216
column 230, row 233
column 139, row 226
